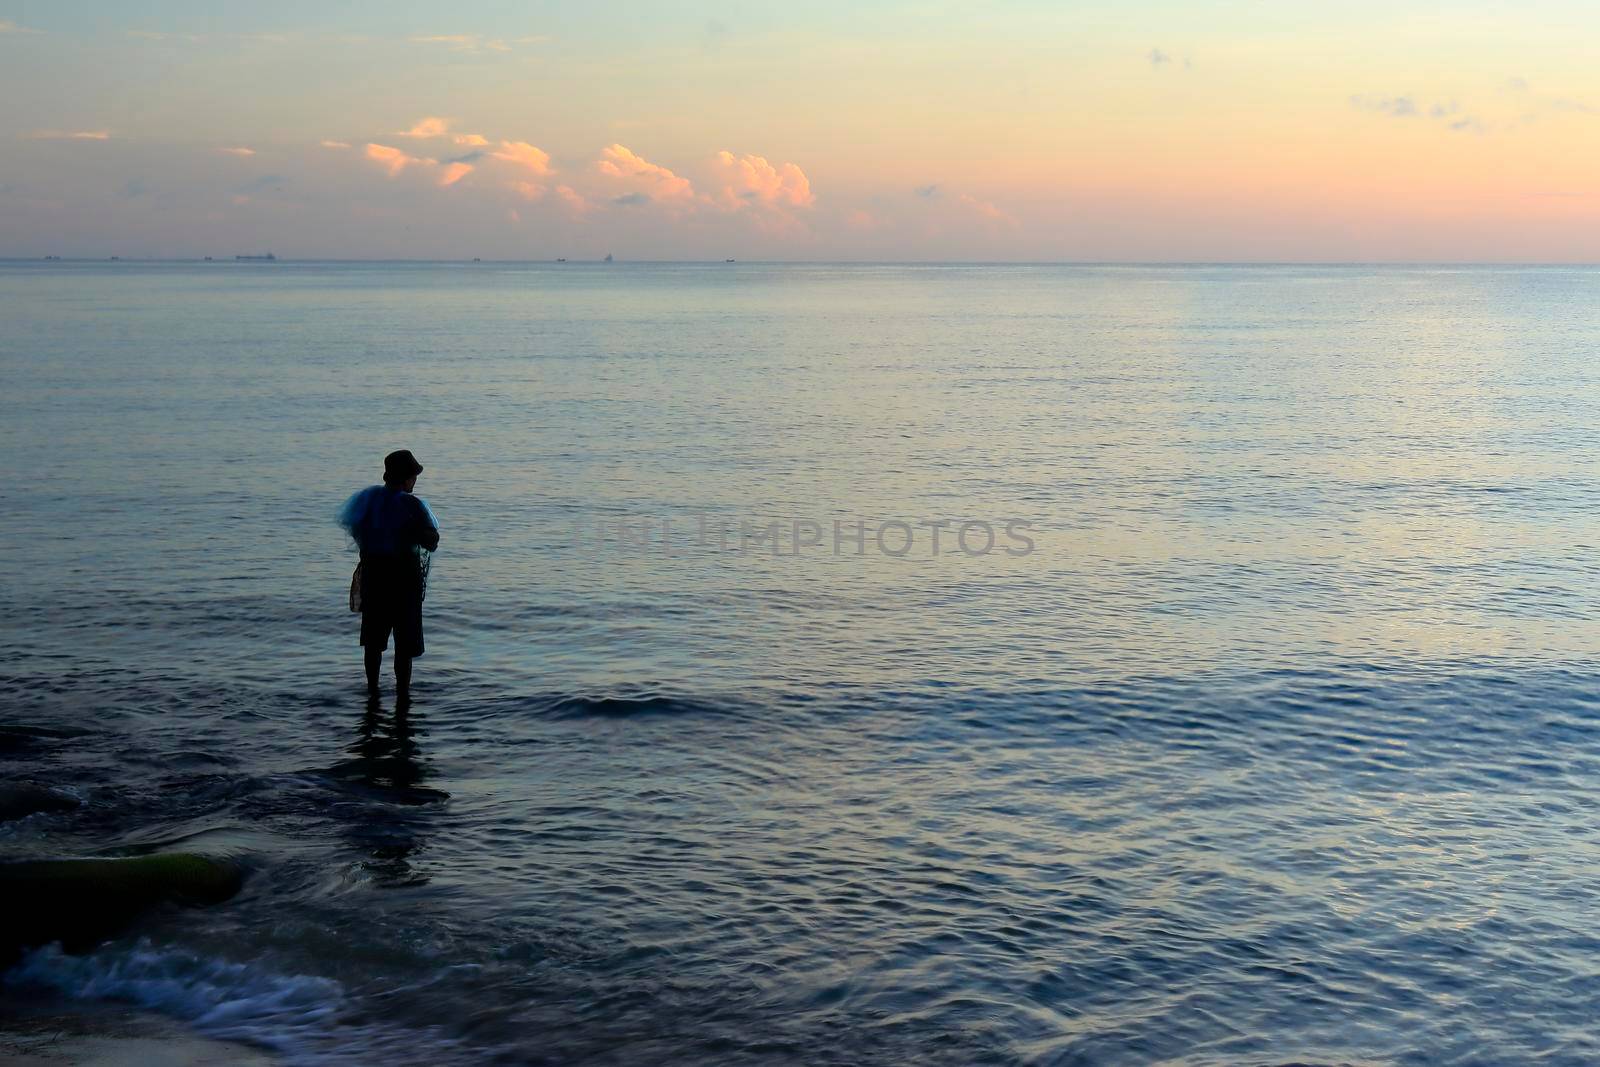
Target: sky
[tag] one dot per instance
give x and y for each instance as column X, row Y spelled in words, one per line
column 1072, row 130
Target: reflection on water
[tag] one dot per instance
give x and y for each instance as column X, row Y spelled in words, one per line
column 386, row 771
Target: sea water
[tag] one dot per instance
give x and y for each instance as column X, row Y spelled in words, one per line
column 1245, row 710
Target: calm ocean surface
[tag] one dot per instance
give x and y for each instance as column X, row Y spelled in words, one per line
column 1282, row 744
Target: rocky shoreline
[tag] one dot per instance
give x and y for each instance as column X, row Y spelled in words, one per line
column 79, row 902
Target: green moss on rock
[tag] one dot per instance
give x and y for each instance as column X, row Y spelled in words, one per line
column 82, row 902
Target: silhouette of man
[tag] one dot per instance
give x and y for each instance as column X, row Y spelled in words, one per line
column 395, row 532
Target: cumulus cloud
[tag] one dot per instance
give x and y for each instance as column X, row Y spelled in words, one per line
column 526, row 155
column 1446, row 112
column 754, row 180
column 446, row 172
column 620, row 162
column 575, row 201
column 1159, row 59
column 772, row 195
column 1399, row 107
column 986, row 210
column 394, row 159
column 237, row 151
column 453, row 172
column 7, row 26
column 69, row 135
column 431, row 126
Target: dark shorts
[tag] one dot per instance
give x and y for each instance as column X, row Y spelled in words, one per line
column 391, row 600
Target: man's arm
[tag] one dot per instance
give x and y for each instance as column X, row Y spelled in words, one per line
column 423, row 528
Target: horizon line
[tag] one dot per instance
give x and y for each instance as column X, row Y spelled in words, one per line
column 568, row 261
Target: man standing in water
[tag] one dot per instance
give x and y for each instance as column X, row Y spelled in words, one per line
column 395, row 532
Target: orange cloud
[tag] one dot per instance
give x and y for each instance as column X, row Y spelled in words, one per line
column 754, row 180
column 525, row 154
column 454, row 172
column 237, row 151
column 394, row 159
column 529, row 190
column 620, row 162
column 575, row 201
column 466, row 42
column 70, row 135
column 987, row 210
column 335, row 144
column 432, row 126
column 473, row 139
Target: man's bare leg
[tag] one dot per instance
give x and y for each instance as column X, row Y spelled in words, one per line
column 374, row 660
column 402, row 677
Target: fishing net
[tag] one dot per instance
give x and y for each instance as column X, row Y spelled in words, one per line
column 378, row 530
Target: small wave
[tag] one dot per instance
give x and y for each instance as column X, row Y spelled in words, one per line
column 305, row 1019
column 629, row 707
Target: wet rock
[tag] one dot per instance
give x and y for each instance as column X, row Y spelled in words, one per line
column 82, row 902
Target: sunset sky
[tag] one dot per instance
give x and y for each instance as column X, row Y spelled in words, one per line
column 1068, row 130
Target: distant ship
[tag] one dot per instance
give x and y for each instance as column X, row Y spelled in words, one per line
column 561, row 259
column 727, row 261
column 608, row 258
column 268, row 258
column 52, row 258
